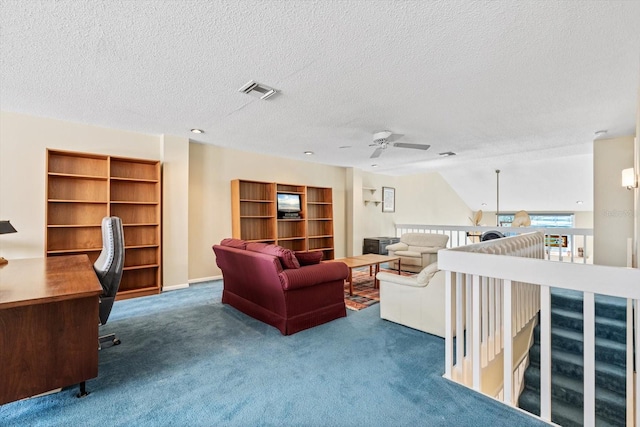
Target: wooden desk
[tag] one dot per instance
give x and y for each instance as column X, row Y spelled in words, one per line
column 48, row 325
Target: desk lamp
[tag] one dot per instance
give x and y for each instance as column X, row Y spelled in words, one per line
column 5, row 228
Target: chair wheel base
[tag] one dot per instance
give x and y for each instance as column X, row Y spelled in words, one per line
column 83, row 391
column 106, row 338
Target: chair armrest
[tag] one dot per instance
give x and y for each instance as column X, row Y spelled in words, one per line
column 399, row 280
column 397, row 247
column 311, row 275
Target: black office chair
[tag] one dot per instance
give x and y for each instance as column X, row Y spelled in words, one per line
column 491, row 235
column 108, row 268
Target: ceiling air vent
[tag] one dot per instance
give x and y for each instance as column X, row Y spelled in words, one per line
column 257, row 89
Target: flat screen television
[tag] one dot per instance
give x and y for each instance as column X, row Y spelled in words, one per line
column 289, row 205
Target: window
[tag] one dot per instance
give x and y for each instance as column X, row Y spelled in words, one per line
column 554, row 245
column 541, row 220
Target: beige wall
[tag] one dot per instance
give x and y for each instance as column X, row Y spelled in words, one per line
column 428, row 199
column 196, row 191
column 420, row 199
column 23, row 143
column 210, row 173
column 175, row 207
column 369, row 220
column 424, row 198
column 584, row 220
column 613, row 207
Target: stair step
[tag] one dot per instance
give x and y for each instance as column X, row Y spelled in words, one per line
column 572, row 342
column 608, row 376
column 562, row 414
column 606, row 306
column 609, row 405
column 612, row 329
column 606, row 350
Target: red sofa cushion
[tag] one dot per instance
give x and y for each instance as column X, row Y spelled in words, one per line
column 286, row 256
column 234, row 243
column 308, row 258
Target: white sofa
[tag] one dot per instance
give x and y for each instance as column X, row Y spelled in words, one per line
column 417, row 250
column 416, row 301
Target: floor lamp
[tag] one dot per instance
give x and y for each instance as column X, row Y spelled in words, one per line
column 5, row 228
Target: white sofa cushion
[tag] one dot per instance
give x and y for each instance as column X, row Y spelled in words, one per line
column 425, row 239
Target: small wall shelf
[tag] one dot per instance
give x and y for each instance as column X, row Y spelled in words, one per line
column 371, row 190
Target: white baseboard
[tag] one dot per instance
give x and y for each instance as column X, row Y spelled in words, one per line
column 190, row 282
column 205, row 279
column 175, row 287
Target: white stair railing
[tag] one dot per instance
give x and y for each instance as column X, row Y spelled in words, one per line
column 486, row 313
column 573, row 241
column 474, row 265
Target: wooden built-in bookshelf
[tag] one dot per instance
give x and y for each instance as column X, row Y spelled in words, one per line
column 255, row 216
column 83, row 188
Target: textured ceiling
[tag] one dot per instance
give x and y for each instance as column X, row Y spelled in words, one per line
column 516, row 86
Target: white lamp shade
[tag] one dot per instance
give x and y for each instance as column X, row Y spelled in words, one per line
column 628, row 178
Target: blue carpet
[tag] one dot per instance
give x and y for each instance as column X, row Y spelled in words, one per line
column 188, row 360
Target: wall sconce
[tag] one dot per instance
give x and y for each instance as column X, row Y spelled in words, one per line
column 629, row 179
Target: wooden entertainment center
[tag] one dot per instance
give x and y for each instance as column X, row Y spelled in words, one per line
column 83, row 188
column 255, row 216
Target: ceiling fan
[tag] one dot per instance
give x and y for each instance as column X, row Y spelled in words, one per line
column 381, row 141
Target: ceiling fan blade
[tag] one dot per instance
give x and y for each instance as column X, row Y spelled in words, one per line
column 377, row 153
column 394, row 137
column 410, row 145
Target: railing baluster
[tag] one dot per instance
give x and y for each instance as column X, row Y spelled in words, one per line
column 630, row 396
column 492, row 321
column 459, row 322
column 476, row 368
column 508, row 345
column 448, row 330
column 485, row 321
column 545, row 353
column 636, row 304
column 589, row 314
column 469, row 319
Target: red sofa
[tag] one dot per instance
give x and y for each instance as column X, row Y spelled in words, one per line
column 291, row 299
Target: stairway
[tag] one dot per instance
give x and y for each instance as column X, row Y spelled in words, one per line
column 567, row 362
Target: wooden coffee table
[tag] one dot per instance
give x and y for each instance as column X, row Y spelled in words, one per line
column 371, row 260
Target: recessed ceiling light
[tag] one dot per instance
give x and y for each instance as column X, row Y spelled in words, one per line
column 309, row 153
column 484, row 204
column 601, row 132
column 197, row 131
column 345, row 146
column 448, row 153
column 579, row 202
column 374, row 166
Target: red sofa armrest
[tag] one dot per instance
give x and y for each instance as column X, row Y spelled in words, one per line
column 310, row 275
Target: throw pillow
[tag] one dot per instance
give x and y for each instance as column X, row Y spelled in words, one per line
column 427, row 273
column 286, row 256
column 256, row 246
column 308, row 258
column 234, row 243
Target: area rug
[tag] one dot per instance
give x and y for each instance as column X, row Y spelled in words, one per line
column 364, row 294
